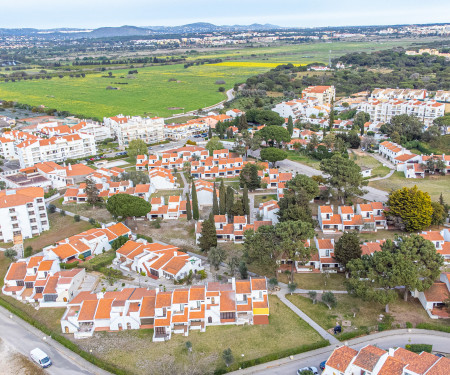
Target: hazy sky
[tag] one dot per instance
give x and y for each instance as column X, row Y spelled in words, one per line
column 95, row 13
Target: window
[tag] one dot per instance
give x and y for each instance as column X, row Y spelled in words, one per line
column 12, row 210
column 34, row 227
column 15, row 226
column 228, row 315
column 39, row 200
column 44, row 223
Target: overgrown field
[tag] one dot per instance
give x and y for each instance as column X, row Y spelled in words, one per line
column 169, row 89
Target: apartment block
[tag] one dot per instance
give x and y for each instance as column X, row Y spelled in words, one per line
column 23, row 213
column 403, row 94
column 173, row 210
column 324, row 94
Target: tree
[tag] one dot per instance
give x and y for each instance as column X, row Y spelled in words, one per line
column 213, row 144
column 246, row 202
column 313, row 295
column 209, row 133
column 208, row 238
column 51, row 208
column 195, row 211
column 291, row 287
column 249, row 177
column 137, row 147
column 188, row 207
column 344, row 175
column 273, row 155
column 10, row 254
column 411, row 208
column 188, row 346
column 237, row 209
column 92, row 192
column 243, row 270
column 242, row 123
column 215, row 209
column 304, row 185
column 119, row 242
column 331, row 116
column 28, row 251
column 222, row 199
column 292, row 237
column 77, row 218
column 290, row 126
column 112, row 275
column 275, row 135
column 233, row 264
column 229, row 201
column 125, row 205
column 439, row 214
column 329, row 299
column 360, row 119
column 216, row 255
column 273, row 282
column 407, row 127
column 268, row 117
column 347, row 248
column 227, row 357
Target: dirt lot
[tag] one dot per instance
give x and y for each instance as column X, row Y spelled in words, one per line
column 12, row 362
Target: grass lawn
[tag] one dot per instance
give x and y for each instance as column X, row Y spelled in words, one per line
column 434, row 185
column 303, row 159
column 367, row 161
column 380, row 235
column 83, row 209
column 128, row 349
column 167, row 193
column 179, row 180
column 61, row 227
column 361, row 313
column 264, row 198
column 316, row 281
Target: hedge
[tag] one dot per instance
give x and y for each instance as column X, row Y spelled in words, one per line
column 350, row 335
column 273, row 357
column 419, row 348
column 62, row 340
column 433, row 327
column 99, row 261
column 69, row 266
column 147, row 238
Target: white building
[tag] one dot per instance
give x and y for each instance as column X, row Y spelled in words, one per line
column 127, row 129
column 97, row 130
column 162, row 179
column 404, row 94
column 7, row 148
column 324, row 94
column 23, row 213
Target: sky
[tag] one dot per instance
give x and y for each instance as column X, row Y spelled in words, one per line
column 44, row 14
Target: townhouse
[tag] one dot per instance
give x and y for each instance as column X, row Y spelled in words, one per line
column 177, row 312
column 93, row 128
column 107, row 190
column 442, row 96
column 173, row 210
column 230, row 232
column 403, row 94
column 375, row 361
column 38, row 279
column 434, row 298
column 218, row 165
column 86, row 244
column 162, row 179
column 205, row 192
column 176, row 132
column 324, row 94
column 367, row 218
column 127, row 129
column 106, row 175
column 57, row 149
column 268, row 211
column 7, row 150
column 156, row 260
column 440, row 240
column 23, row 213
column 384, row 110
column 273, row 177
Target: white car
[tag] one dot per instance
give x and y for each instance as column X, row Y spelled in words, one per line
column 39, row 356
column 312, row 369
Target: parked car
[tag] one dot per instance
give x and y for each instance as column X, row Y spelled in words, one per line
column 322, row 365
column 39, row 356
column 161, row 146
column 150, row 148
column 312, row 369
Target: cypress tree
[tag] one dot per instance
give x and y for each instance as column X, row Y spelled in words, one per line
column 246, row 202
column 188, row 207
column 215, row 209
column 209, row 133
column 195, row 213
column 290, row 126
column 208, row 237
column 222, row 199
column 230, row 200
column 331, row 117
column 255, row 181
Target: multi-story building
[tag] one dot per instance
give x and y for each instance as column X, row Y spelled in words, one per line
column 23, row 213
column 324, row 94
column 403, row 94
column 174, row 209
column 375, row 361
column 57, row 149
column 186, row 130
column 127, row 129
column 97, row 130
column 176, row 312
column 7, row 148
column 384, row 110
column 442, row 96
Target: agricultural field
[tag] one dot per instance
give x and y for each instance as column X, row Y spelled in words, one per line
column 169, row 89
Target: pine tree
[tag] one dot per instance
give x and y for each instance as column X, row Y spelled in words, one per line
column 331, row 117
column 230, row 200
column 188, row 207
column 255, row 180
column 195, row 212
column 91, row 191
column 242, row 123
column 290, row 126
column 441, row 200
column 215, row 209
column 222, row 199
column 246, row 202
column 208, row 237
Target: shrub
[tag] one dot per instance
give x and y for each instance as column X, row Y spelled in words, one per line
column 409, row 325
column 92, row 221
column 51, row 192
column 419, row 348
column 350, row 335
column 28, row 251
column 433, row 327
column 51, row 208
column 69, row 266
column 77, row 218
column 147, row 238
column 81, row 257
column 63, row 213
column 202, row 274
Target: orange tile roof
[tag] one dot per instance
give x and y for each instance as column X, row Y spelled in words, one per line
column 326, row 210
column 422, row 363
column 163, row 322
column 45, row 265
column 369, row 248
column 104, row 308
column 259, row 283
column 163, row 299
column 227, row 301
column 432, row 236
column 368, row 357
column 17, row 271
column 20, row 196
column 243, row 287
column 34, row 261
column 180, row 296
column 78, row 170
column 392, row 366
column 325, row 244
column 438, row 292
column 346, row 210
column 341, row 358
column 442, row 367
column 197, row 293
column 83, row 296
column 148, row 307
column 87, row 311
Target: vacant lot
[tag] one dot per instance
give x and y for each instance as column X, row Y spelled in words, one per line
column 134, row 350
column 60, row 227
column 367, row 161
column 434, row 185
column 83, row 209
column 316, row 281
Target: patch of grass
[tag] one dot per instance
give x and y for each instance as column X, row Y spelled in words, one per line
column 83, row 209
column 380, row 235
column 167, row 193
column 264, row 198
column 99, row 261
column 316, row 281
column 179, row 180
column 303, row 159
column 433, row 184
column 61, row 227
column 285, row 331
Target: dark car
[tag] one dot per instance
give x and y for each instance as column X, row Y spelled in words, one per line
column 322, row 365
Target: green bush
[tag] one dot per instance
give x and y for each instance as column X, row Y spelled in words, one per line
column 69, row 266
column 419, row 348
column 28, row 251
column 50, row 193
column 147, row 238
column 92, row 221
column 100, row 261
column 433, row 327
column 77, row 218
column 350, row 335
column 409, row 325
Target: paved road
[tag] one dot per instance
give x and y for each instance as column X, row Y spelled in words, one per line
column 24, row 338
column 385, row 340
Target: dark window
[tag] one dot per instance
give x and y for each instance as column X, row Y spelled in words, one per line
column 50, row 297
column 20, row 283
column 228, row 315
column 160, row 330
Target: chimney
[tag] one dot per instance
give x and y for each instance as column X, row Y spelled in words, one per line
column 10, row 192
column 391, row 352
column 233, row 283
column 70, row 167
column 175, row 254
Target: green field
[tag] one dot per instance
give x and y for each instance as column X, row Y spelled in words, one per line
column 151, row 93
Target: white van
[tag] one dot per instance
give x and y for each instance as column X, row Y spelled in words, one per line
column 39, row 356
